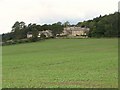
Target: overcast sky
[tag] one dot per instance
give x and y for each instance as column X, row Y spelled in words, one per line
column 51, row 11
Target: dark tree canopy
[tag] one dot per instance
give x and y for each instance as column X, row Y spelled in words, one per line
column 103, row 26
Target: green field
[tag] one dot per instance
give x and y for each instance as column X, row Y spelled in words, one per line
column 63, row 63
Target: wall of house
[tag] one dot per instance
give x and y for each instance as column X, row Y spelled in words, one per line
column 74, row 31
column 47, row 33
column 29, row 35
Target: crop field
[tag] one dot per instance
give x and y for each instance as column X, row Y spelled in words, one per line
column 61, row 63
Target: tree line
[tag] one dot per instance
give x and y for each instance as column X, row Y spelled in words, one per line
column 20, row 30
column 102, row 26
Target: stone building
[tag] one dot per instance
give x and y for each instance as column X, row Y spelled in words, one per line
column 75, row 31
column 47, row 33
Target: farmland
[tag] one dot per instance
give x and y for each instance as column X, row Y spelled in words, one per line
column 61, row 63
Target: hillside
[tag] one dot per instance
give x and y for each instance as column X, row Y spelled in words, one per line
column 61, row 63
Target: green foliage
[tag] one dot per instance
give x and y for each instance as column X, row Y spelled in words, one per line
column 56, row 28
column 18, row 30
column 63, row 63
column 7, row 36
column 102, row 26
column 12, row 42
column 43, row 36
column 66, row 24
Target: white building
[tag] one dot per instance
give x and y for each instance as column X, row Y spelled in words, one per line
column 47, row 33
column 29, row 35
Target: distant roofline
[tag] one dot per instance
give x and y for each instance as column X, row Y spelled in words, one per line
column 77, row 28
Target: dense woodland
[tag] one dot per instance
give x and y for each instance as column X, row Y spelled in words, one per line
column 102, row 26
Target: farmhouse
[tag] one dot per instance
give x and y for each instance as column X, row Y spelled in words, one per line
column 75, row 31
column 47, row 33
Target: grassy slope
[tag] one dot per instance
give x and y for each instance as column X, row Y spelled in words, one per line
column 61, row 63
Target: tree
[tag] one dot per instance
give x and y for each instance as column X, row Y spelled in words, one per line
column 56, row 28
column 18, row 30
column 59, row 23
column 7, row 36
column 42, row 36
column 66, row 24
column 103, row 26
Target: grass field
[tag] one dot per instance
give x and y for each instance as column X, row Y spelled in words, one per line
column 63, row 63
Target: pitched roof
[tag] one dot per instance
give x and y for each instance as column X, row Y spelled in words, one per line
column 76, row 29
